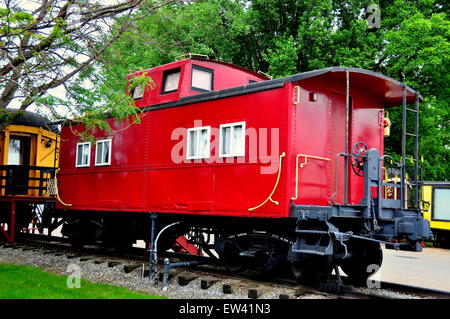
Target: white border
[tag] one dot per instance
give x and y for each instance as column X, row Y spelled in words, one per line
column 188, row 143
column 233, row 153
column 109, row 157
column 89, row 155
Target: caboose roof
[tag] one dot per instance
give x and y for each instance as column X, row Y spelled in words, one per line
column 28, row 118
column 386, row 89
column 389, row 91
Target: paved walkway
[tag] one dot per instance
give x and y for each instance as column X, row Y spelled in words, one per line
column 429, row 268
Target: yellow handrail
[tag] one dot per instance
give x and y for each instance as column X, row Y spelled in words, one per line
column 52, row 189
column 274, row 188
column 303, row 165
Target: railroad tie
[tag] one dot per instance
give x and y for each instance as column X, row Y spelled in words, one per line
column 227, row 289
column 72, row 256
column 129, row 268
column 255, row 293
column 113, row 263
column 185, row 279
column 230, row 287
column 207, row 282
column 30, row 249
column 300, row 293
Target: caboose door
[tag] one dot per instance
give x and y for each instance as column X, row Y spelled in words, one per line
column 338, row 145
column 18, row 161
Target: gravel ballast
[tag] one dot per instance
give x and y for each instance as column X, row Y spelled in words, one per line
column 98, row 271
column 95, row 270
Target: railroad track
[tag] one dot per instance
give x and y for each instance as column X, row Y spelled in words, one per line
column 251, row 283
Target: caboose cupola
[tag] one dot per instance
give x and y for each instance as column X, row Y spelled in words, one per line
column 188, row 77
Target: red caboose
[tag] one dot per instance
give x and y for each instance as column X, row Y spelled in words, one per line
column 275, row 169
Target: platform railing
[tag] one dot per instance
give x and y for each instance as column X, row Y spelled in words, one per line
column 25, row 180
column 390, row 190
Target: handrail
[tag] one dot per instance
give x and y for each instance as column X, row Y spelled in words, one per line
column 20, row 180
column 52, row 189
column 274, row 188
column 303, row 165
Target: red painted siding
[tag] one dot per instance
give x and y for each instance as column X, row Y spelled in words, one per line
column 146, row 175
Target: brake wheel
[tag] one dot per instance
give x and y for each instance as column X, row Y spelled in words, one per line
column 359, row 151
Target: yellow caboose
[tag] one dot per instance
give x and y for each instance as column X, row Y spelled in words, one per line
column 28, row 160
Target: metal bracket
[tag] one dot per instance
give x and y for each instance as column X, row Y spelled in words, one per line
column 153, row 262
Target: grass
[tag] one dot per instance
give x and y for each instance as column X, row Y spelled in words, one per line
column 428, row 243
column 25, row 282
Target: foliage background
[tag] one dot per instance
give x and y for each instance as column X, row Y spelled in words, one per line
column 283, row 37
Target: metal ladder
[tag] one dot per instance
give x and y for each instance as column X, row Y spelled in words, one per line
column 415, row 179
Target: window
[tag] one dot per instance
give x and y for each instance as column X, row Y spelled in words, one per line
column 15, row 152
column 83, row 157
column 202, row 79
column 171, row 79
column 138, row 92
column 103, row 153
column 232, row 139
column 441, row 203
column 198, row 142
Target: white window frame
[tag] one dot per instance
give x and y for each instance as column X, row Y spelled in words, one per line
column 77, row 155
column 206, row 70
column 166, row 75
column 188, row 144
column 109, row 140
column 233, row 151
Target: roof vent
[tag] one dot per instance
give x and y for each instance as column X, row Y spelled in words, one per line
column 191, row 55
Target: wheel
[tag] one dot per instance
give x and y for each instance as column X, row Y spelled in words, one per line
column 274, row 261
column 77, row 241
column 312, row 269
column 364, row 254
column 116, row 244
column 79, row 232
column 230, row 256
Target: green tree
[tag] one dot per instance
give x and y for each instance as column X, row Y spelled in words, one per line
column 284, row 37
column 45, row 44
column 418, row 53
